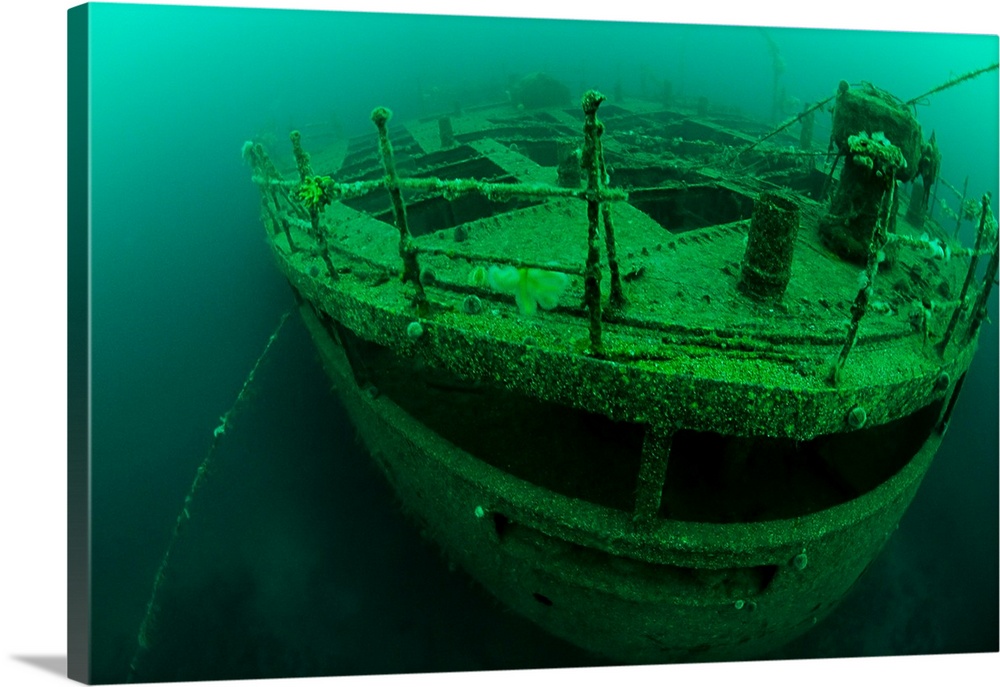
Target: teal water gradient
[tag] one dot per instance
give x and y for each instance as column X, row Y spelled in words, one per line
column 297, row 561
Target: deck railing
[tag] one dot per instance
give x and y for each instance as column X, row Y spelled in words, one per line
column 302, row 201
column 316, row 192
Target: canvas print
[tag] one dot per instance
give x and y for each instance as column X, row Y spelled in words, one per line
column 430, row 343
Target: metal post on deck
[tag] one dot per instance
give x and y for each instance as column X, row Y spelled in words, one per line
column 590, row 161
column 306, row 177
column 305, row 174
column 407, row 249
column 617, row 296
column 267, row 173
column 859, row 308
column 766, row 267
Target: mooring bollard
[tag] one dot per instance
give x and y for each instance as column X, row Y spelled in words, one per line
column 767, row 262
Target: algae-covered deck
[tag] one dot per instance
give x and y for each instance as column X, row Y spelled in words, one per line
column 680, row 241
column 436, row 238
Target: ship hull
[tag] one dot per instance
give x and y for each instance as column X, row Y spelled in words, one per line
column 678, row 591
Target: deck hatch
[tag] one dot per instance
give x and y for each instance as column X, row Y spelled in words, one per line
column 679, row 210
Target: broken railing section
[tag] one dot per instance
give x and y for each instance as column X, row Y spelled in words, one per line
column 316, row 192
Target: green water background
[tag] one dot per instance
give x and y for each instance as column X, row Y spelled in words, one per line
column 298, row 561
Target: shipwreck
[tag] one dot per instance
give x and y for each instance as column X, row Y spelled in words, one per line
column 661, row 378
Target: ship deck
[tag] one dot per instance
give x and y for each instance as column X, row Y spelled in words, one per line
column 691, row 185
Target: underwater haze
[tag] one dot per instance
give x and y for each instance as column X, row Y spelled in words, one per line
column 297, row 559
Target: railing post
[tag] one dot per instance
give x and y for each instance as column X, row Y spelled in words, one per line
column 859, row 308
column 314, row 208
column 264, row 168
column 617, row 296
column 407, row 249
column 590, row 161
column 305, row 173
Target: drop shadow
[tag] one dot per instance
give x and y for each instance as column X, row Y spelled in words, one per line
column 51, row 663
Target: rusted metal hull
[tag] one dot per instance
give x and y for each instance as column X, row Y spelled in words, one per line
column 682, row 591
